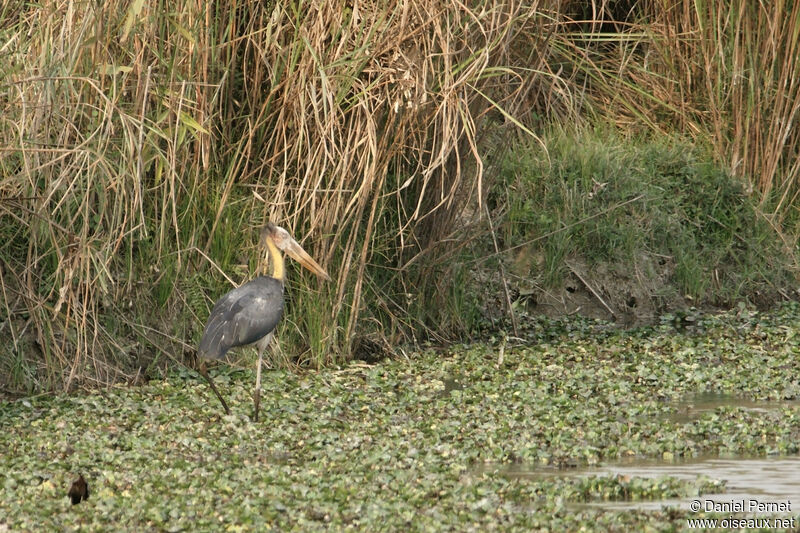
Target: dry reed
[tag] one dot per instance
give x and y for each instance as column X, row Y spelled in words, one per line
column 142, row 139
column 142, row 142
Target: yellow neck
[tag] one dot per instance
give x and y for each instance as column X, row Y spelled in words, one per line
column 276, row 258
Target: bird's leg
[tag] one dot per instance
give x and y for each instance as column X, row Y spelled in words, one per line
column 262, row 346
column 257, row 392
column 201, row 369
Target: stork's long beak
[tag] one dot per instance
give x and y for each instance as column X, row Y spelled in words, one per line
column 297, row 253
column 287, row 244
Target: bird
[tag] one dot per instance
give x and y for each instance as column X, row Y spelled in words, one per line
column 249, row 314
column 79, row 490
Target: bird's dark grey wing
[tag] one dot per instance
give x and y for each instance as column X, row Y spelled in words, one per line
column 242, row 316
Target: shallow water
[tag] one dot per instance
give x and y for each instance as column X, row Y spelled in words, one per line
column 765, row 480
column 697, row 405
column 770, row 480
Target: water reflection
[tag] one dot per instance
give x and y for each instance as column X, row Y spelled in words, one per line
column 768, row 480
column 771, row 480
column 697, row 405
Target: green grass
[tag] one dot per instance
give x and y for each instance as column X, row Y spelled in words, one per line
column 634, row 203
column 390, row 446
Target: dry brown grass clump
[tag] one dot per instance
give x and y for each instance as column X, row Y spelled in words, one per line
column 143, row 141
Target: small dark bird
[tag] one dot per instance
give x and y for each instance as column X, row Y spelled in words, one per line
column 248, row 314
column 79, row 490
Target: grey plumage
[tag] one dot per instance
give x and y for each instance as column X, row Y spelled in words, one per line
column 243, row 316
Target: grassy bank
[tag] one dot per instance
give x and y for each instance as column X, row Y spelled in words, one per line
column 629, row 228
column 420, row 445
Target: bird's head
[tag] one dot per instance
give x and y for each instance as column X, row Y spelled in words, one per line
column 282, row 240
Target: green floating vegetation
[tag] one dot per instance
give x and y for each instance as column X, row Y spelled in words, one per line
column 417, row 445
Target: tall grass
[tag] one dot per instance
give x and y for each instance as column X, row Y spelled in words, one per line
column 725, row 73
column 144, row 142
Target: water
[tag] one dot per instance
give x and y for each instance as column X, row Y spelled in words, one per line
column 766, row 480
column 774, row 481
column 697, row 405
